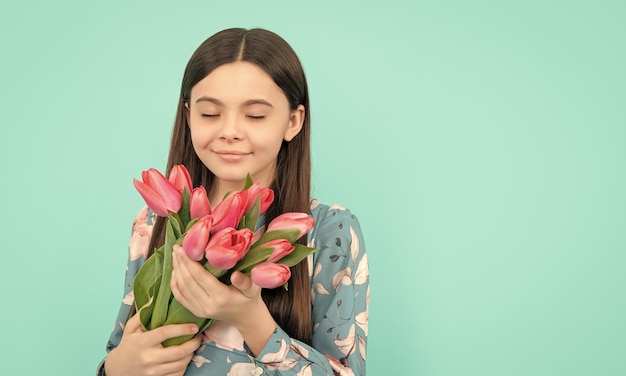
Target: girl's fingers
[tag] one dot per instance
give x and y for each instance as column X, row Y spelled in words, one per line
column 133, row 325
column 177, row 367
column 204, row 295
column 188, row 291
column 190, row 272
column 244, row 284
column 160, row 334
column 183, row 352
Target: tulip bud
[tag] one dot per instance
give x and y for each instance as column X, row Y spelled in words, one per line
column 199, row 203
column 282, row 247
column 179, row 177
column 197, row 237
column 266, row 197
column 228, row 213
column 292, row 221
column 158, row 192
column 228, row 246
column 270, row 275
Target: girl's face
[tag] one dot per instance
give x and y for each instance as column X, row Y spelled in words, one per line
column 238, row 118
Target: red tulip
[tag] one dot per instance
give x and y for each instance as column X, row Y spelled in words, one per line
column 270, row 275
column 228, row 246
column 158, row 192
column 292, row 221
column 179, row 176
column 199, row 203
column 197, row 238
column 282, row 247
column 265, row 195
column 228, row 213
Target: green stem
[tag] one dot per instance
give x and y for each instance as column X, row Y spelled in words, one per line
column 165, row 291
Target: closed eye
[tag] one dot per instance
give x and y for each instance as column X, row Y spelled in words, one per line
column 210, row 115
column 256, row 117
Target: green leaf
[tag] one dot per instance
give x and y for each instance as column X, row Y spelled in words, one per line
column 290, row 235
column 254, row 257
column 165, row 291
column 185, row 215
column 206, row 325
column 180, row 315
column 177, row 227
column 248, row 183
column 146, row 283
column 191, row 223
column 251, row 217
column 146, row 311
column 297, row 255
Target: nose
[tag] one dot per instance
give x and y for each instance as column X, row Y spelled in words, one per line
column 231, row 129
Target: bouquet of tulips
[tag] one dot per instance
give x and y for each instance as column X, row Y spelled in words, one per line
column 222, row 239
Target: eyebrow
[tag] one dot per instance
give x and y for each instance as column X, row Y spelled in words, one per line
column 249, row 102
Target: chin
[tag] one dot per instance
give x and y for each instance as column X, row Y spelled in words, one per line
column 237, row 174
column 230, row 176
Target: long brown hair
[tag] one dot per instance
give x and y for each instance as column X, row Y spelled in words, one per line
column 291, row 309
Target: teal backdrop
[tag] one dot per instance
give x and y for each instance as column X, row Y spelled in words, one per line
column 481, row 144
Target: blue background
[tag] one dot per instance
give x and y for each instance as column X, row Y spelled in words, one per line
column 481, row 145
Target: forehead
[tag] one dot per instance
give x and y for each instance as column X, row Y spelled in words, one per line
column 237, row 81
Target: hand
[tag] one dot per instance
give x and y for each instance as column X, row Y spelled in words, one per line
column 239, row 304
column 141, row 353
column 205, row 296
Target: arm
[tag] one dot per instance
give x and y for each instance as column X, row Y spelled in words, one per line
column 131, row 351
column 340, row 288
column 137, row 253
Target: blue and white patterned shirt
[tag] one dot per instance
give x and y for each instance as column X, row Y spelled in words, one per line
column 340, row 300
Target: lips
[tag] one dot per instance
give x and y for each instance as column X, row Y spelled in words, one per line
column 233, row 152
column 231, row 155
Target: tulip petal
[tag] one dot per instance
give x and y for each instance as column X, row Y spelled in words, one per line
column 301, row 221
column 199, row 203
column 269, row 275
column 152, row 198
column 179, row 177
column 227, row 247
column 222, row 258
column 282, row 248
column 171, row 196
column 196, row 239
column 228, row 213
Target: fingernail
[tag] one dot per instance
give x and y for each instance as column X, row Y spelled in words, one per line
column 193, row 329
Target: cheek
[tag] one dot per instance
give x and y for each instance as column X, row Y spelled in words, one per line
column 270, row 142
column 200, row 136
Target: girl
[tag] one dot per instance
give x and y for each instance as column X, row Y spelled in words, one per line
column 244, row 108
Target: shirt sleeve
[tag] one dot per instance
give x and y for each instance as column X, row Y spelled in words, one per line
column 340, row 292
column 137, row 253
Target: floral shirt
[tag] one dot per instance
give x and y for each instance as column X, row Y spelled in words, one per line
column 340, row 300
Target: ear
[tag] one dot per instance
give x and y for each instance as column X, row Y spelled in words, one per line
column 296, row 121
column 187, row 112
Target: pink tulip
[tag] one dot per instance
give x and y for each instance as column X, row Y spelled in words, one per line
column 199, row 203
column 179, row 177
column 292, row 221
column 270, row 275
column 158, row 192
column 228, row 246
column 266, row 196
column 282, row 247
column 197, row 238
column 228, row 213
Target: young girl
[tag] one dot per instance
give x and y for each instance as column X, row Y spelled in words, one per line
column 244, row 108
